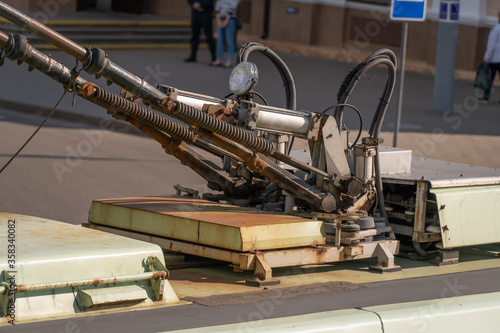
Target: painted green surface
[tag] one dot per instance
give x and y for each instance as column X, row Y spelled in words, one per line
column 469, row 215
column 50, row 252
column 60, row 260
column 101, row 297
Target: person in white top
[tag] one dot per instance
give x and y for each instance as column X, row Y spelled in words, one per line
column 226, row 30
column 492, row 56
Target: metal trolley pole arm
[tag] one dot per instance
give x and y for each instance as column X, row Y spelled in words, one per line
column 159, row 128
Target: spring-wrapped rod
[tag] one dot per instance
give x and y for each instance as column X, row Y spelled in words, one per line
column 112, row 101
column 193, row 116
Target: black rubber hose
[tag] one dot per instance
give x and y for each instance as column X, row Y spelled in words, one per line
column 382, row 57
column 286, row 75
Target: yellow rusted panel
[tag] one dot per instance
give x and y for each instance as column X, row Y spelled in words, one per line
column 208, row 223
column 283, row 235
column 118, row 214
column 223, row 236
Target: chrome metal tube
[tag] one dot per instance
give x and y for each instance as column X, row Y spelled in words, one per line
column 42, row 31
column 284, row 121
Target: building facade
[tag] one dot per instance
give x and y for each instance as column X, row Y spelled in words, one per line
column 345, row 30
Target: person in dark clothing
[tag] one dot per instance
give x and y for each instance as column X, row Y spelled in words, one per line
column 492, row 57
column 201, row 17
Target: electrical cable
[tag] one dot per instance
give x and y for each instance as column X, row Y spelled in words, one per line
column 261, row 97
column 34, row 133
column 72, row 87
column 359, row 116
column 254, row 92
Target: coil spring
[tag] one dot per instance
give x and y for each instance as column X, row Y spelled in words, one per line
column 112, row 101
column 195, row 117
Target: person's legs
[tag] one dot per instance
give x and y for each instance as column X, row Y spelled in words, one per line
column 230, row 40
column 494, row 67
column 209, row 35
column 221, row 37
column 195, row 36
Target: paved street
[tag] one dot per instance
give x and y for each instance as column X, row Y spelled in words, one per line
column 67, row 165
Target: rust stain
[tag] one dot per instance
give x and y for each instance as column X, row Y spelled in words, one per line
column 88, row 89
column 168, row 104
column 159, row 275
column 319, row 254
column 202, row 210
column 96, row 282
column 21, row 288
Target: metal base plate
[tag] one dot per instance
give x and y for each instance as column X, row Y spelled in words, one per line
column 381, row 269
column 256, row 282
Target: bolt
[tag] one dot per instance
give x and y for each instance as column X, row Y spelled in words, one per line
column 168, row 104
column 88, row 89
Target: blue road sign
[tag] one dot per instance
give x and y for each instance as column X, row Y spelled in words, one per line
column 408, row 10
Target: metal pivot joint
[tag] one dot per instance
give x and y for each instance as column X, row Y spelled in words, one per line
column 97, row 60
column 18, row 47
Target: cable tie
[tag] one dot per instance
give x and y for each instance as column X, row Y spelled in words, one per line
column 74, row 75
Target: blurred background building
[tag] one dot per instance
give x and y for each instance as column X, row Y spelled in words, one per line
column 345, row 30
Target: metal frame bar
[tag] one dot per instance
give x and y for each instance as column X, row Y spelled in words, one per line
column 258, row 261
column 89, row 282
column 420, row 210
column 419, row 235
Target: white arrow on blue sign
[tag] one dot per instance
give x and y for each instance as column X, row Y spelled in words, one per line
column 408, row 10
